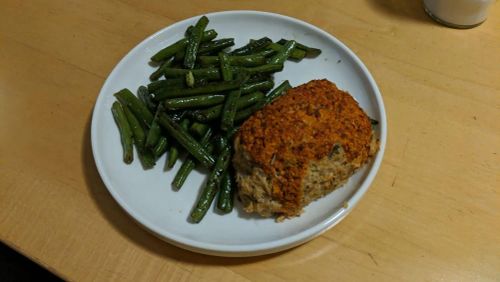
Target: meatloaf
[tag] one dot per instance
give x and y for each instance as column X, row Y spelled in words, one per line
column 299, row 148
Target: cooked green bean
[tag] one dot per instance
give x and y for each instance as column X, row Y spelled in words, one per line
column 210, row 73
column 243, row 61
column 159, row 72
column 278, row 91
column 189, row 164
column 252, row 47
column 229, row 109
column 225, row 67
column 190, row 79
column 198, row 128
column 209, row 88
column 170, row 82
column 266, row 52
column 154, row 132
column 282, row 55
column 200, row 82
column 186, row 140
column 215, row 46
column 267, row 68
column 210, row 189
column 207, row 48
column 194, row 101
column 147, row 158
column 230, row 133
column 146, row 98
column 257, row 86
column 173, row 153
column 310, row 52
column 214, row 112
column 136, row 106
column 246, row 112
column 160, row 147
column 126, row 134
column 170, row 50
column 226, row 193
column 194, row 40
column 137, row 130
column 296, row 54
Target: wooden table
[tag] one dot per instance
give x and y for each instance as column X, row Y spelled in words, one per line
column 433, row 212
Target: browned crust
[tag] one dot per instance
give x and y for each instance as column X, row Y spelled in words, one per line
column 302, row 126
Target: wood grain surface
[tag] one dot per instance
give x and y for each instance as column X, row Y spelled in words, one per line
column 432, row 213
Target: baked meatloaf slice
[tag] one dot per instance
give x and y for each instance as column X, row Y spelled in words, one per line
column 299, row 148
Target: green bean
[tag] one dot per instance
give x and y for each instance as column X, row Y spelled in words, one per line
column 186, row 140
column 160, row 147
column 296, row 54
column 207, row 48
column 246, row 112
column 209, row 88
column 136, row 106
column 225, row 67
column 268, row 68
column 177, row 116
column 215, row 112
column 179, row 56
column 146, row 98
column 266, row 52
column 198, row 128
column 173, row 153
column 170, row 50
column 210, row 189
column 154, row 132
column 188, row 30
column 137, row 130
column 147, row 158
column 189, row 164
column 230, row 133
column 257, row 86
column 226, row 193
column 282, row 55
column 215, row 46
column 278, row 91
column 210, row 73
column 194, row 101
column 221, row 142
column 194, row 40
column 159, row 72
column 243, row 61
column 229, row 109
column 310, row 52
column 125, row 132
column 190, row 79
column 170, row 82
column 202, row 81
column 252, row 47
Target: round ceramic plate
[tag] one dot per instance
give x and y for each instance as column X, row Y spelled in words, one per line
column 148, row 196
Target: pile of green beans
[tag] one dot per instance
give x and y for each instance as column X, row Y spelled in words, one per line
column 198, row 97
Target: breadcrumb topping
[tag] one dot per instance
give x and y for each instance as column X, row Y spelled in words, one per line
column 306, row 124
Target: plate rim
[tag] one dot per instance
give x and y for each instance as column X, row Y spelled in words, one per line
column 254, row 248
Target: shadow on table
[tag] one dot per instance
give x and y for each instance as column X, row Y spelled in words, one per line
column 124, row 224
column 403, row 9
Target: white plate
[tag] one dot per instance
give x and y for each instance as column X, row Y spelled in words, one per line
column 147, row 195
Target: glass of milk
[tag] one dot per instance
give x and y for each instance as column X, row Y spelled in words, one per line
column 458, row 13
